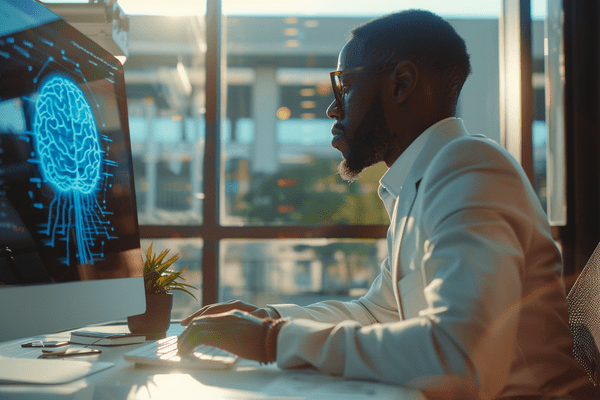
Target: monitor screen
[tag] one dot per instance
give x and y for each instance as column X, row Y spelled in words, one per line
column 68, row 218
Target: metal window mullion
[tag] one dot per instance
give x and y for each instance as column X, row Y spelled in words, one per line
column 265, row 232
column 212, row 154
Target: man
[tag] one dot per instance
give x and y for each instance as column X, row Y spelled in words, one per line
column 470, row 299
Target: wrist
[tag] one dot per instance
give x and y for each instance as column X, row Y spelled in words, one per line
column 273, row 326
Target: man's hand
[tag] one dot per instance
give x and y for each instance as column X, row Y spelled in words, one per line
column 231, row 305
column 235, row 331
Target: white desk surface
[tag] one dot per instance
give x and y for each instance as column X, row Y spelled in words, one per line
column 246, row 380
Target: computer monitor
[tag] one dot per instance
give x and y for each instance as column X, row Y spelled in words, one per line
column 69, row 240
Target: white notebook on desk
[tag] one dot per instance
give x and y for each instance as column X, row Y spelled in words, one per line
column 101, row 338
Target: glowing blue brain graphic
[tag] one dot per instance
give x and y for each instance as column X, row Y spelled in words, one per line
column 67, row 137
column 70, row 157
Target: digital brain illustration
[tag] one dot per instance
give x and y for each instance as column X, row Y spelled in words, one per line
column 69, row 153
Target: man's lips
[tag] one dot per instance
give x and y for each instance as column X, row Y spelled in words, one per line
column 338, row 140
column 337, row 133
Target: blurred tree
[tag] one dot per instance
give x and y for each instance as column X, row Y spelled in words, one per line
column 314, row 194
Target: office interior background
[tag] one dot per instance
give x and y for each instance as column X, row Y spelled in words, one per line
column 233, row 165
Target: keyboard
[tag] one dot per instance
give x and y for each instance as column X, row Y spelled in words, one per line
column 164, row 352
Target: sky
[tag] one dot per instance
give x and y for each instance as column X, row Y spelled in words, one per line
column 445, row 8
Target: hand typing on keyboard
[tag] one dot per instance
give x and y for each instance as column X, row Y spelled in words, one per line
column 231, row 305
column 237, row 332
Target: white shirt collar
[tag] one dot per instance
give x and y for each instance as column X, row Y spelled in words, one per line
column 394, row 178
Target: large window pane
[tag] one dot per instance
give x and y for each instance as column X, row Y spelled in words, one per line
column 165, row 88
column 298, row 271
column 280, row 167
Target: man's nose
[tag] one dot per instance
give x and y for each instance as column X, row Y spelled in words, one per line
column 334, row 111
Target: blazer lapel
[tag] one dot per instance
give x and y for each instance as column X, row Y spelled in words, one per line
column 406, row 197
column 402, row 208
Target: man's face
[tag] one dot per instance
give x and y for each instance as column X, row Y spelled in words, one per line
column 360, row 131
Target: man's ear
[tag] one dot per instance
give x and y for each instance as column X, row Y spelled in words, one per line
column 406, row 75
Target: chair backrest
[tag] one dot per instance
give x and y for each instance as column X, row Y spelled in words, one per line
column 584, row 317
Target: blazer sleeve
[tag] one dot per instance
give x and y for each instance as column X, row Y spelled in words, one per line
column 473, row 218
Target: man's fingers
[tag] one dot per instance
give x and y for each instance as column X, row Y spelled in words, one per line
column 228, row 306
column 188, row 319
column 219, row 308
column 196, row 334
column 266, row 313
column 199, row 313
column 236, row 331
column 185, row 342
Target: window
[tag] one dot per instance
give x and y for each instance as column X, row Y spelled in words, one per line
column 261, row 214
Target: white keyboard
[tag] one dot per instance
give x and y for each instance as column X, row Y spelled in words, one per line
column 164, row 352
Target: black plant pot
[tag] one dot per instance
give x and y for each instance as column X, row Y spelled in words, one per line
column 155, row 322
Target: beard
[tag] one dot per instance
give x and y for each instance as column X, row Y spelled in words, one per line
column 368, row 144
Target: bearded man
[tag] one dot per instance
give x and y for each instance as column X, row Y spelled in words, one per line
column 469, row 302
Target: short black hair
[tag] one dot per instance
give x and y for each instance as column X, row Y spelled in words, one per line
column 423, row 38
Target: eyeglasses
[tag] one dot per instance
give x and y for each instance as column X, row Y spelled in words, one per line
column 337, row 76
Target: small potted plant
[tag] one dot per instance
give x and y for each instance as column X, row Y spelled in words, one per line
column 159, row 281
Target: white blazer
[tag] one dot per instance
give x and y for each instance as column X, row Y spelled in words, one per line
column 471, row 290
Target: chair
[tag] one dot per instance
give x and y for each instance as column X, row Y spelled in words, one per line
column 584, row 317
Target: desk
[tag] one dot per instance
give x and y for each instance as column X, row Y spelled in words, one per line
column 246, row 380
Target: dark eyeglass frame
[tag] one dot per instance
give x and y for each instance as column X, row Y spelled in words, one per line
column 336, row 78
